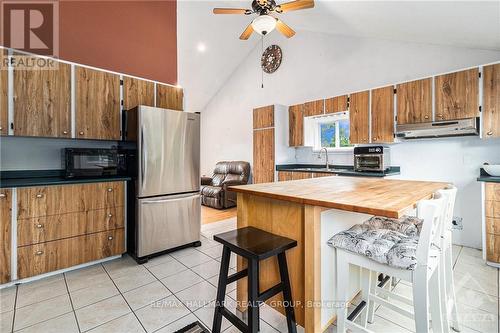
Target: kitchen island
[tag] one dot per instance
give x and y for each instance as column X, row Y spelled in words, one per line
column 311, row 211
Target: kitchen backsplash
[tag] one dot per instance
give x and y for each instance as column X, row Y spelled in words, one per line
column 24, row 153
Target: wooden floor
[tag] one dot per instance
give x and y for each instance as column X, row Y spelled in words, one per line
column 211, row 215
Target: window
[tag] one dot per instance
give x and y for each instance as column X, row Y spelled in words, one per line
column 333, row 132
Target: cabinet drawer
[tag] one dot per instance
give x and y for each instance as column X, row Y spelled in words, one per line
column 51, row 256
column 48, row 228
column 61, row 199
column 493, row 191
column 493, row 225
column 492, row 208
column 493, row 248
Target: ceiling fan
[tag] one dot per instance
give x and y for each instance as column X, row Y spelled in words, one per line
column 265, row 23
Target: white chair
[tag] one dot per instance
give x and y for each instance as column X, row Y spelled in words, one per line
column 448, row 298
column 447, row 289
column 418, row 264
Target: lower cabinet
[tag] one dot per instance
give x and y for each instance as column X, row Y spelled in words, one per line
column 492, row 222
column 293, row 175
column 5, row 232
column 51, row 256
column 60, row 226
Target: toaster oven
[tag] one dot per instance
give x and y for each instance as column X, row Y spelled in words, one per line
column 372, row 158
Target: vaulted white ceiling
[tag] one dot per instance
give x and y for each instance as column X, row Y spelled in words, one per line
column 472, row 24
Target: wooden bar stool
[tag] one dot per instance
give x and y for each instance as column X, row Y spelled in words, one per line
column 254, row 245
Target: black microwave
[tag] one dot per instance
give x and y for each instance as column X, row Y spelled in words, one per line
column 93, row 162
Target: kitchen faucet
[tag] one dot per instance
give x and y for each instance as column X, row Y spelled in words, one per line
column 327, row 166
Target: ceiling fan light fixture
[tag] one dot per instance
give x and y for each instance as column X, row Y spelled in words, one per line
column 264, row 24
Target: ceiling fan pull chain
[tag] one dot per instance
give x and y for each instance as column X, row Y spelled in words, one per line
column 261, row 69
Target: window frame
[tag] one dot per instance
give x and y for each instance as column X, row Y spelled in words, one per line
column 326, row 119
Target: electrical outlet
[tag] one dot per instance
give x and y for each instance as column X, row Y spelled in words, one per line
column 457, row 223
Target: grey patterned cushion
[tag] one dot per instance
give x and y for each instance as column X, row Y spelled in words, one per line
column 408, row 225
column 385, row 246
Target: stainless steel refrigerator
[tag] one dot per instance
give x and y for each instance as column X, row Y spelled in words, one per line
column 168, row 204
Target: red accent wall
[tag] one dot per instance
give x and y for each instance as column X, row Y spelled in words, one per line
column 132, row 37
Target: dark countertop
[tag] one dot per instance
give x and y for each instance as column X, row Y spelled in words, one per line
column 341, row 170
column 26, row 178
column 485, row 177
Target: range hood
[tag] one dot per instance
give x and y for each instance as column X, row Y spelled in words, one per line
column 436, row 129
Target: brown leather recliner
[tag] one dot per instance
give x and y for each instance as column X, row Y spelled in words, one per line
column 214, row 192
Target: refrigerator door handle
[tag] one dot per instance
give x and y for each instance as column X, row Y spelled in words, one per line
column 171, row 198
column 143, row 155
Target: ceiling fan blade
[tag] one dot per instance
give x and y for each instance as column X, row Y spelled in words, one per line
column 232, row 11
column 246, row 34
column 295, row 5
column 284, row 29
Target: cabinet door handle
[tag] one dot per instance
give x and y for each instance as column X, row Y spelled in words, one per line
column 489, row 133
column 426, row 117
column 374, row 139
column 3, row 195
column 65, row 132
column 1, row 128
column 110, row 237
column 39, row 226
column 110, row 215
column 39, row 253
column 81, row 132
column 110, row 189
column 39, row 195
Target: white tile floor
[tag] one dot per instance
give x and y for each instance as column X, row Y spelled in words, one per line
column 175, row 290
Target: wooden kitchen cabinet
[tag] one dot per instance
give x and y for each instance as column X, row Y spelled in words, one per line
column 457, row 95
column 52, row 236
column 314, row 108
column 293, row 175
column 296, row 125
column 491, row 101
column 5, row 236
column 63, row 253
column 414, row 102
column 492, row 221
column 137, row 92
column 169, row 97
column 336, row 104
column 48, row 228
column 46, row 200
column 97, row 104
column 263, row 117
column 359, row 117
column 263, row 155
column 42, row 100
column 382, row 108
column 4, row 105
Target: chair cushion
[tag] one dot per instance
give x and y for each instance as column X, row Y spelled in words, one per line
column 385, row 246
column 407, row 225
column 211, row 191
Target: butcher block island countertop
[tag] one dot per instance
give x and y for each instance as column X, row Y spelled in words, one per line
column 385, row 197
column 311, row 211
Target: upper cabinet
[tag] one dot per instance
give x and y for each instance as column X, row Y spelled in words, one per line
column 169, row 97
column 263, row 117
column 414, row 102
column 4, row 108
column 491, row 101
column 42, row 100
column 336, row 104
column 296, row 125
column 314, row 108
column 457, row 95
column 382, row 115
column 359, row 117
column 97, row 104
column 137, row 92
